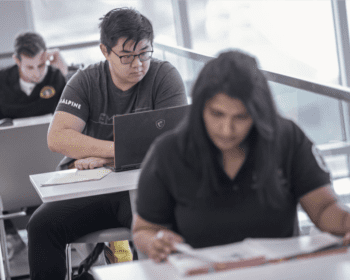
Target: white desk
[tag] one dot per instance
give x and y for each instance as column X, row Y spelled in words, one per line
column 24, row 151
column 336, row 267
column 113, row 182
column 31, row 121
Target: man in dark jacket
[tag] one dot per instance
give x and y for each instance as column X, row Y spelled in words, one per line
column 33, row 86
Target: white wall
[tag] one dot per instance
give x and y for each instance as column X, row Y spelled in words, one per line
column 15, row 16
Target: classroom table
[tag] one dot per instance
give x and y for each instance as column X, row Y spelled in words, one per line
column 24, row 151
column 335, row 267
column 113, row 182
column 332, row 267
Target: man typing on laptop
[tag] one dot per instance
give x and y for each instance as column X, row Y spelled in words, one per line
column 128, row 81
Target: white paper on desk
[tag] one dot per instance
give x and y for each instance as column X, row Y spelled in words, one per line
column 192, row 259
column 270, row 248
column 77, row 176
column 276, row 248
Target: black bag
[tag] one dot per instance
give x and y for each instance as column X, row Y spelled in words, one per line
column 86, row 264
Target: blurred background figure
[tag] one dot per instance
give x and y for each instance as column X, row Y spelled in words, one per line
column 33, row 86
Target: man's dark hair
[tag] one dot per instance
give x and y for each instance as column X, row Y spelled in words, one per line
column 124, row 23
column 29, row 44
column 236, row 74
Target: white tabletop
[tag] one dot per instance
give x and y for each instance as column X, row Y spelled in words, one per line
column 24, row 122
column 335, row 267
column 113, row 182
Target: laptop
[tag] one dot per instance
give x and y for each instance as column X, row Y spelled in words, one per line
column 134, row 134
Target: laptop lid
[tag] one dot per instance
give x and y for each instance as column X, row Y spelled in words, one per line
column 134, row 134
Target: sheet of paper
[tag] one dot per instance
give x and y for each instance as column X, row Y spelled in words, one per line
column 196, row 259
column 230, row 252
column 276, row 248
column 271, row 248
column 74, row 176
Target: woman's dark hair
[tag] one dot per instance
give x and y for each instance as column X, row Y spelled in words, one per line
column 237, row 75
column 124, row 23
column 29, row 44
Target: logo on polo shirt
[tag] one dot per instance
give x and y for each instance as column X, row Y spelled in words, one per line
column 321, row 163
column 47, row 92
column 160, row 123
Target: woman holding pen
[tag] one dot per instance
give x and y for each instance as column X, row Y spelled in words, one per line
column 233, row 169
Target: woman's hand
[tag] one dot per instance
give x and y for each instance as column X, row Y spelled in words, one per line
column 346, row 239
column 92, row 162
column 162, row 244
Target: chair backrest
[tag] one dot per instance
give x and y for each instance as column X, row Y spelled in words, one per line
column 23, row 151
column 296, row 230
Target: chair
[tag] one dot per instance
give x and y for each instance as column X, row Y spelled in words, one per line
column 23, row 152
column 107, row 235
column 4, row 262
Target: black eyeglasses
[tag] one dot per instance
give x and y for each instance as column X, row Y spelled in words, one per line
column 127, row 59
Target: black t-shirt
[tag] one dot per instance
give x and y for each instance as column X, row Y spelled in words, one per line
column 14, row 103
column 168, row 186
column 92, row 96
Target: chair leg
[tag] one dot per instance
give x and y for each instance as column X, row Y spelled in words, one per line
column 69, row 261
column 2, row 267
column 3, row 245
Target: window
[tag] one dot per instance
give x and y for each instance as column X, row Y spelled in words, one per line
column 295, row 38
column 63, row 22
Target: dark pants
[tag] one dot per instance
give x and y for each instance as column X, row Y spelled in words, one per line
column 55, row 224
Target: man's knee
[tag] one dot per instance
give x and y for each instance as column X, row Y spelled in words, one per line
column 40, row 224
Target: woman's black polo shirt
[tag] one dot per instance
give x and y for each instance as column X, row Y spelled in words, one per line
column 168, row 186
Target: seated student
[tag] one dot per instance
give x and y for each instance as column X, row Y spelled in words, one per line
column 31, row 87
column 234, row 169
column 128, row 81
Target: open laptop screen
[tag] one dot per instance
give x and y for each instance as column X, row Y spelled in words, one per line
column 134, row 133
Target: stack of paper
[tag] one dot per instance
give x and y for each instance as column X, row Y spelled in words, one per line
column 74, row 176
column 249, row 252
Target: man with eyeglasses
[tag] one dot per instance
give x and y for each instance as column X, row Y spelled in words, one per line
column 128, row 81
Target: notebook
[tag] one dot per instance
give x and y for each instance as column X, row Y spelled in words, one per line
column 134, row 134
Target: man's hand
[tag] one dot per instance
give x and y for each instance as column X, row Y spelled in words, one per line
column 56, row 60
column 92, row 162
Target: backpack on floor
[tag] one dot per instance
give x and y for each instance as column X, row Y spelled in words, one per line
column 86, row 264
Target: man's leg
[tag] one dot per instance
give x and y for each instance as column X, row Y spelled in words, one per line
column 55, row 224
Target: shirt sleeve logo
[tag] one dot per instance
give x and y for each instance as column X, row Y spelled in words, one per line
column 47, row 92
column 70, row 103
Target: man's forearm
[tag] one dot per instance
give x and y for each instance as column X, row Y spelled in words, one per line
column 76, row 145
